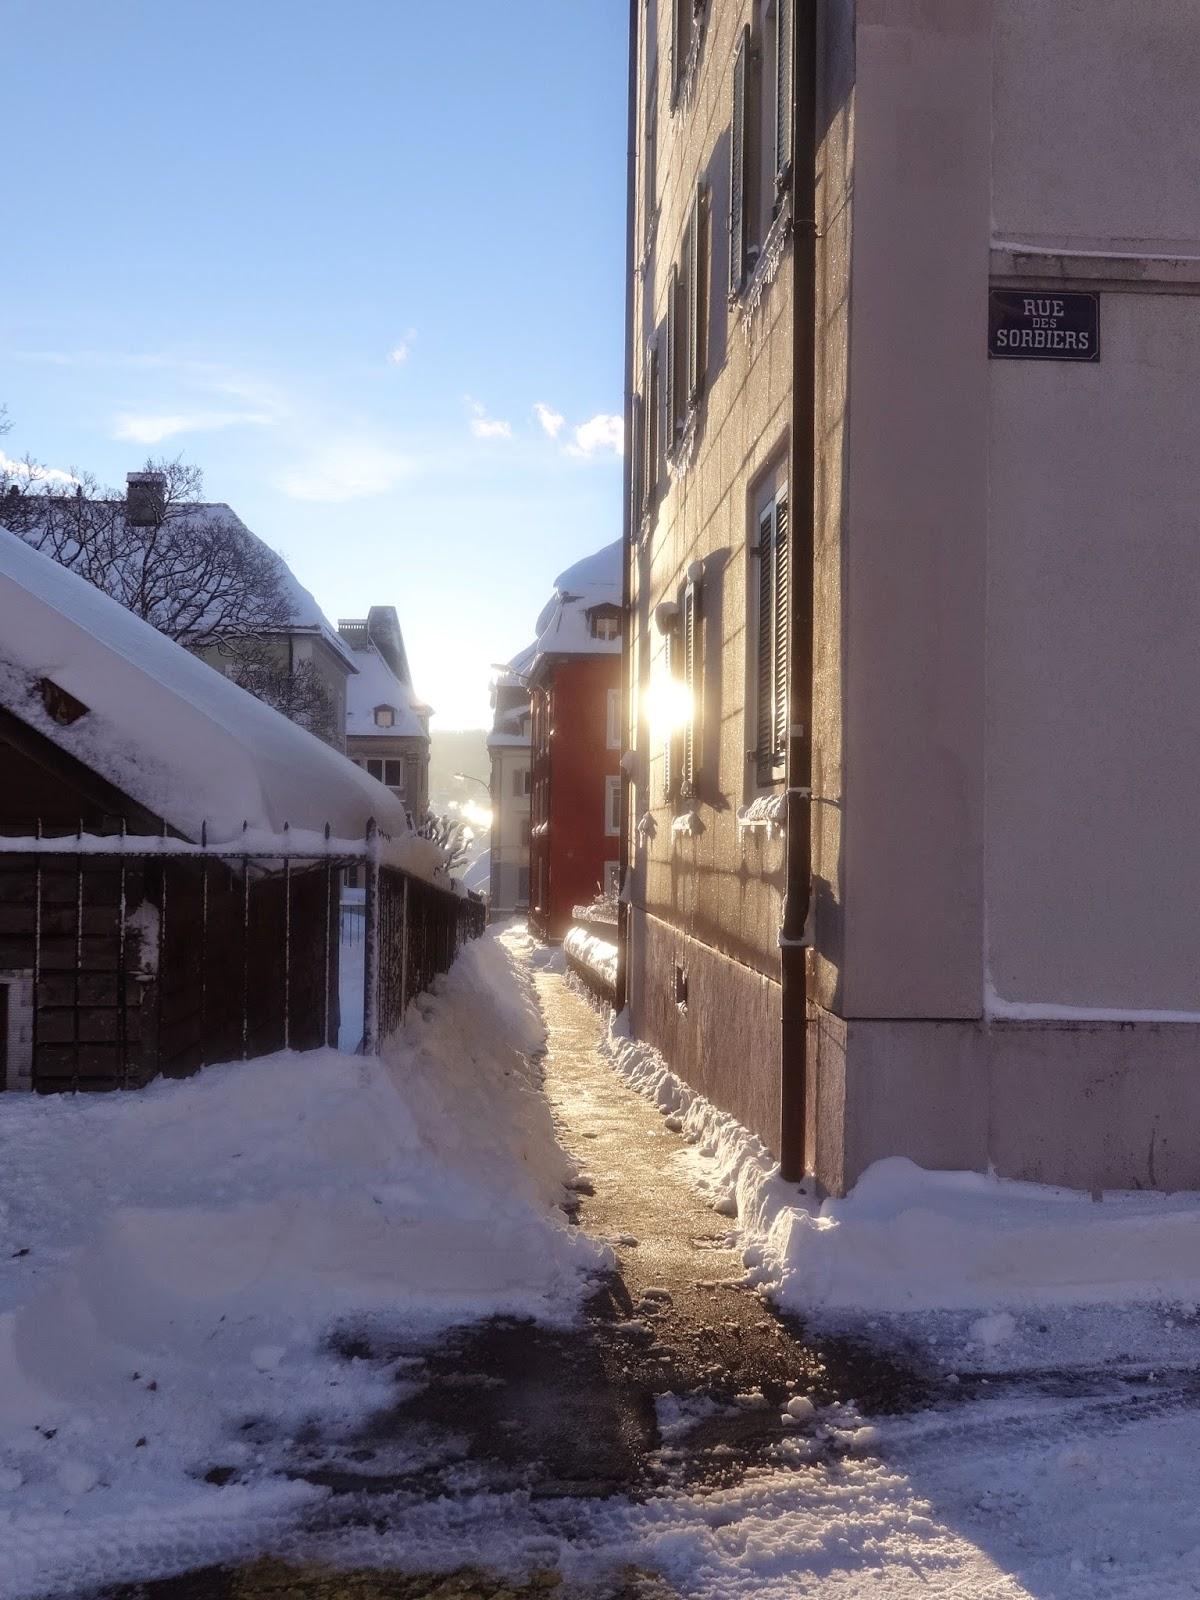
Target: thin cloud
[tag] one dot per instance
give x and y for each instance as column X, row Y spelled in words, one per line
column 31, row 472
column 152, row 428
column 349, row 471
column 551, row 421
column 400, row 353
column 601, row 435
column 485, row 427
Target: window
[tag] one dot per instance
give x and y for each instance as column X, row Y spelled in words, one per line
column 686, row 21
column 612, row 807
column 669, row 735
column 522, row 886
column 650, row 157
column 612, row 877
column 605, row 622
column 760, row 138
column 375, row 768
column 385, row 716
column 671, row 364
column 693, row 684
column 696, row 289
column 687, row 341
column 771, row 643
column 393, row 774
column 526, row 829
column 521, row 782
column 613, row 720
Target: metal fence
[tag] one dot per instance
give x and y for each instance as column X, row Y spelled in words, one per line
column 126, row 956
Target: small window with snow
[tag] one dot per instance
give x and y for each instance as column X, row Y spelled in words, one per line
column 385, row 716
column 605, row 622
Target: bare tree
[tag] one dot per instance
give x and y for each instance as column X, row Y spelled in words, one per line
column 449, row 836
column 194, row 572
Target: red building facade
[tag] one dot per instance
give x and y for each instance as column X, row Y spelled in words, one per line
column 575, row 840
column 575, row 756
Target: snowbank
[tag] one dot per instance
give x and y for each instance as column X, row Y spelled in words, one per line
column 908, row 1240
column 177, row 1267
column 598, row 955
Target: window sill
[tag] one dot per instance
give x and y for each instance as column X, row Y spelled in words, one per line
column 749, row 298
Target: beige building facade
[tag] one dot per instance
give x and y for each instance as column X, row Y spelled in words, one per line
column 1003, row 745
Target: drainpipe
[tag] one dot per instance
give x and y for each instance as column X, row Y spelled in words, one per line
column 627, row 512
column 792, row 940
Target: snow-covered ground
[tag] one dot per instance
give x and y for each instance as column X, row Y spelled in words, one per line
column 921, row 1252
column 183, row 1266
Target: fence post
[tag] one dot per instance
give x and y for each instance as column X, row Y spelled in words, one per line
column 370, row 1040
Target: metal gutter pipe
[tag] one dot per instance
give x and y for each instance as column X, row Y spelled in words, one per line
column 627, row 512
column 793, row 1110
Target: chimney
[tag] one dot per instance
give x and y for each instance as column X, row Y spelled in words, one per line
column 145, row 498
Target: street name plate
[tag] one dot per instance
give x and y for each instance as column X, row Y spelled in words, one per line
column 1043, row 325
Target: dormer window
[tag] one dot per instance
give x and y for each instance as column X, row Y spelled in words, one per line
column 61, row 706
column 604, row 622
column 385, row 716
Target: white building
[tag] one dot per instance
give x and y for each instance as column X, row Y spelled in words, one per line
column 508, row 748
column 387, row 725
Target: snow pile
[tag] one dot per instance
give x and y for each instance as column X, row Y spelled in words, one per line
column 178, row 1267
column 592, row 952
column 908, row 1240
column 162, row 725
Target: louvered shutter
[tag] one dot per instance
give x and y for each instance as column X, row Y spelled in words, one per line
column 676, row 50
column 635, row 466
column 650, row 431
column 672, row 360
column 691, row 675
column 669, row 733
column 783, row 90
column 764, row 675
column 695, row 292
column 780, row 599
column 737, row 167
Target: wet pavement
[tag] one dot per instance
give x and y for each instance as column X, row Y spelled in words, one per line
column 676, row 1375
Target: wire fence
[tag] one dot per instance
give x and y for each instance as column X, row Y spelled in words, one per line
column 124, row 956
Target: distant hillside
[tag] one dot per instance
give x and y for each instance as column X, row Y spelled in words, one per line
column 454, row 750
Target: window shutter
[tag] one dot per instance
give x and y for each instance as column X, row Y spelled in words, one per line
column 764, row 674
column 695, row 291
column 636, row 467
column 783, row 90
column 672, row 360
column 737, row 167
column 670, row 734
column 650, row 431
column 780, row 629
column 691, row 679
column 676, row 48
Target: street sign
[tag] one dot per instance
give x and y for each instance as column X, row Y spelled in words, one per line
column 1043, row 325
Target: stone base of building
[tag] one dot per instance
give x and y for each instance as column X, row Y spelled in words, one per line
column 1088, row 1105
column 723, row 1038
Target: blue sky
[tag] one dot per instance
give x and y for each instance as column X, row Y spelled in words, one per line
column 337, row 255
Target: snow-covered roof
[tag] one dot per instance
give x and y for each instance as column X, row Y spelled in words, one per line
column 163, row 726
column 563, row 627
column 377, row 685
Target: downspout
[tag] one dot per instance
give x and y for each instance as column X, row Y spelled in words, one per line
column 627, row 511
column 792, row 936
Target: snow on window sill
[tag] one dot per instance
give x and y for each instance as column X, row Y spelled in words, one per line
column 647, row 828
column 684, row 453
column 768, row 812
column 750, row 297
column 687, row 825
